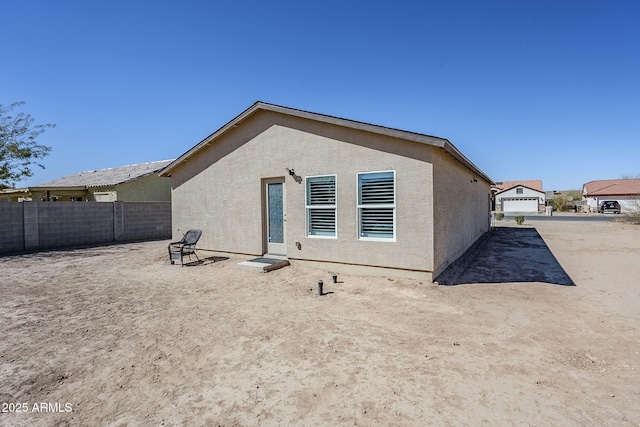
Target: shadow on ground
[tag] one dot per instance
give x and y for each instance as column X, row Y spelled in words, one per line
column 507, row 255
column 205, row 261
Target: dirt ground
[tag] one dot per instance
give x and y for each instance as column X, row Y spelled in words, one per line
column 117, row 336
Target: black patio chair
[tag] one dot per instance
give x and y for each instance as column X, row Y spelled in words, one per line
column 186, row 246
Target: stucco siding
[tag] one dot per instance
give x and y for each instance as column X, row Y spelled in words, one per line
column 220, row 190
column 462, row 209
column 145, row 189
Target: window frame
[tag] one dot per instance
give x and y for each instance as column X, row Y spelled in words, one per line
column 360, row 207
column 308, row 207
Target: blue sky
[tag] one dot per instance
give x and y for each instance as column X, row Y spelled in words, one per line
column 525, row 89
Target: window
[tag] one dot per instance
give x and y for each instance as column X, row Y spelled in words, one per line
column 105, row 196
column 377, row 205
column 321, row 206
column 519, row 190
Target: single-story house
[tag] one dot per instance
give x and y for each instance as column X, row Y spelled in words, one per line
column 624, row 191
column 353, row 196
column 132, row 183
column 522, row 197
column 2, row 189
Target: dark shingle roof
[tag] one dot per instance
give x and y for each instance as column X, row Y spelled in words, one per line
column 107, row 177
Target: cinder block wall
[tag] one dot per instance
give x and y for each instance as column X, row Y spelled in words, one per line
column 63, row 224
column 32, row 226
column 147, row 220
column 12, row 227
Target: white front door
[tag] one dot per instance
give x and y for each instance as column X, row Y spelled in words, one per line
column 274, row 224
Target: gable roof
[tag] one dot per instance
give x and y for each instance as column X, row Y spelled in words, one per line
column 612, row 187
column 337, row 121
column 532, row 184
column 107, row 177
column 516, row 186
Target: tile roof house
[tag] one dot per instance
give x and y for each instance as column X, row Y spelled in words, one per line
column 138, row 182
column 522, row 197
column 534, row 184
column 624, row 191
column 346, row 195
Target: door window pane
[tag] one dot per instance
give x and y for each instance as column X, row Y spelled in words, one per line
column 276, row 225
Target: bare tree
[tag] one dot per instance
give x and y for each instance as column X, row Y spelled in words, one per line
column 630, row 176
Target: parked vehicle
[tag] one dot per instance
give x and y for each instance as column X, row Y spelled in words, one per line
column 609, row 206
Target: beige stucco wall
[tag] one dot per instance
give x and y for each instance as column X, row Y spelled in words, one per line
column 462, row 209
column 150, row 188
column 219, row 190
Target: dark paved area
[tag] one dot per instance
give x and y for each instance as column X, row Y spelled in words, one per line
column 506, row 255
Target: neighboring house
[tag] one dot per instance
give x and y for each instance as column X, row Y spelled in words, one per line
column 351, row 195
column 4, row 198
column 133, row 183
column 624, row 191
column 523, row 197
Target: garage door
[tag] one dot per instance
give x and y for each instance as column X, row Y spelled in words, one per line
column 521, row 204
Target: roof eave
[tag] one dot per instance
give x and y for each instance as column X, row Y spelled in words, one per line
column 451, row 149
column 367, row 127
column 523, row 186
column 15, row 190
column 58, row 188
column 133, row 178
column 166, row 171
column 612, row 194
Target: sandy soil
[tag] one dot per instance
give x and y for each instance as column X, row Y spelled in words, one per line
column 117, row 336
